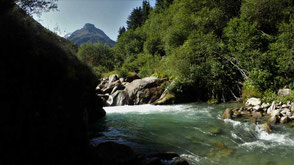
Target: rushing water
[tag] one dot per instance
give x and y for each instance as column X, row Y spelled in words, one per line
column 197, row 133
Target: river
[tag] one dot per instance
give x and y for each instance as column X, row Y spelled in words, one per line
column 197, row 133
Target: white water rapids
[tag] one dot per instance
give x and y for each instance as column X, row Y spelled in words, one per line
column 197, row 132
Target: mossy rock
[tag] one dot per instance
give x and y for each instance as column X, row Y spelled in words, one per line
column 220, row 150
column 212, row 101
column 167, row 99
column 216, row 131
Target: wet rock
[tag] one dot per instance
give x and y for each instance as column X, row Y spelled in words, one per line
column 108, row 153
column 256, row 114
column 215, row 131
column 266, row 127
column 273, row 119
column 228, row 114
column 246, row 113
column 179, row 161
column 284, row 120
column 236, row 114
column 165, row 98
column 152, row 161
column 284, row 92
column 253, row 101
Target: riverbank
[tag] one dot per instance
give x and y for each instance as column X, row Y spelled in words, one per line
column 257, row 111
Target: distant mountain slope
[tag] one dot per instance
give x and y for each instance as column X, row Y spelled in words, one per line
column 90, row 33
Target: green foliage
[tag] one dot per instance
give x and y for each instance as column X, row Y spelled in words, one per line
column 37, row 6
column 209, row 48
column 269, row 96
column 98, row 56
column 250, row 90
column 267, row 13
column 139, row 15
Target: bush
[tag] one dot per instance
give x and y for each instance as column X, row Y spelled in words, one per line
column 250, row 90
column 269, row 96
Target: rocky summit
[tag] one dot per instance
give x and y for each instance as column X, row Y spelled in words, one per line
column 90, row 33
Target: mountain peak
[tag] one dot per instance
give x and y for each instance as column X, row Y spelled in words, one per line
column 90, row 33
column 89, row 26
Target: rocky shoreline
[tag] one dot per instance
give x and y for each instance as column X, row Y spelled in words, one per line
column 265, row 113
column 132, row 90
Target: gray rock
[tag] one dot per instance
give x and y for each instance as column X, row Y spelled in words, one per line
column 109, row 87
column 137, row 85
column 257, row 107
column 285, row 106
column 286, row 112
column 253, row 101
column 284, row 92
column 265, row 105
column 292, row 107
column 118, row 87
column 113, row 78
column 120, row 97
column 121, row 80
column 271, row 108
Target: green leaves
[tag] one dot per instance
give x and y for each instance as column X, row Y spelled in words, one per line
column 98, row 56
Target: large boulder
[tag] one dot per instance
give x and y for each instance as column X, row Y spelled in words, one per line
column 140, row 91
column 284, row 92
column 253, row 102
column 120, row 97
column 49, row 95
column 108, row 153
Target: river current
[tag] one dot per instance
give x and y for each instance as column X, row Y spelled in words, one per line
column 197, row 133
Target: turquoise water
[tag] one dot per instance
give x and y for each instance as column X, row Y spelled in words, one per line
column 197, row 133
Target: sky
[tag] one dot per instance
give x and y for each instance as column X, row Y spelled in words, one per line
column 107, row 15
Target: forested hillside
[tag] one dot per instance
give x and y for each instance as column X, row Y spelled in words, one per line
column 209, row 49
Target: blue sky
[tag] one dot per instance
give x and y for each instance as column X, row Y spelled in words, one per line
column 107, row 15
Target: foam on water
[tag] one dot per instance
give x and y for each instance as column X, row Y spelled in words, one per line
column 259, row 137
column 142, row 109
column 150, row 109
